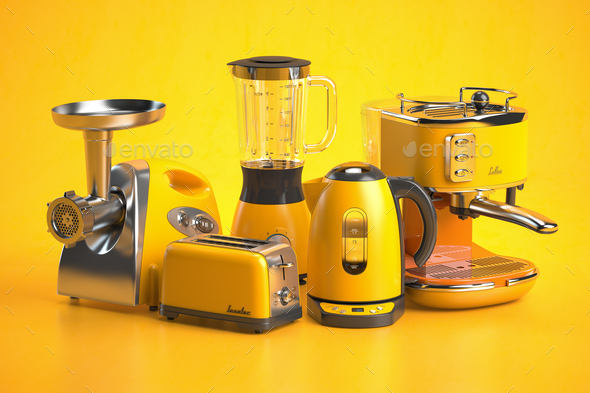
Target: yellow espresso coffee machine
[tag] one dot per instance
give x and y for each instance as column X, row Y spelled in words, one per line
column 114, row 238
column 356, row 249
column 271, row 94
column 464, row 152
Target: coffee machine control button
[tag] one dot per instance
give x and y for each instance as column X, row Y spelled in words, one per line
column 379, row 308
column 183, row 219
column 203, row 224
column 461, row 157
column 334, row 308
column 462, row 142
column 461, row 172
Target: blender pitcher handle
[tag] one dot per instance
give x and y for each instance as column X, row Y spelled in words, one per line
column 331, row 131
column 406, row 187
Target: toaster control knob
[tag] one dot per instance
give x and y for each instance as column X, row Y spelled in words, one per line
column 183, row 219
column 280, row 239
column 286, row 296
column 203, row 224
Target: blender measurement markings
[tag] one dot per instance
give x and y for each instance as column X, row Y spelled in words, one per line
column 50, row 50
column 269, row 30
column 330, row 30
column 305, row 7
column 34, row 33
column 550, row 250
column 9, row 310
column 90, row 90
column 13, row 287
column 49, row 350
column 52, row 247
column 70, row 70
column 289, row 10
column 9, row 10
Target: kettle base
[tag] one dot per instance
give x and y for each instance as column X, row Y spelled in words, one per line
column 356, row 315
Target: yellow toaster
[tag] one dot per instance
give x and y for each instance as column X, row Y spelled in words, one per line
column 251, row 282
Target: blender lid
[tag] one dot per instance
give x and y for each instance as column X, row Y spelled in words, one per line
column 270, row 68
column 475, row 111
column 355, row 171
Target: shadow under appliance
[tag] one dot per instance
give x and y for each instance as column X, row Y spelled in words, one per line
column 464, row 153
column 114, row 238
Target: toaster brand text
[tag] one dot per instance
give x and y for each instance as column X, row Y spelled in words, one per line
column 242, row 311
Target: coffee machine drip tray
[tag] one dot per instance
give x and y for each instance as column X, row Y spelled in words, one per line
column 454, row 277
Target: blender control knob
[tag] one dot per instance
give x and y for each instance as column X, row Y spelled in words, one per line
column 480, row 100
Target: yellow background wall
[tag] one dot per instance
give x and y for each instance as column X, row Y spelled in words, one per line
column 176, row 52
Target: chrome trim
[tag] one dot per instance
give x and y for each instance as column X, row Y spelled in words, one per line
column 522, row 280
column 192, row 213
column 432, row 104
column 506, row 106
column 491, row 187
column 514, row 214
column 452, row 288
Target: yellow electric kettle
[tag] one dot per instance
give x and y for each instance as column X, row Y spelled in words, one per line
column 356, row 253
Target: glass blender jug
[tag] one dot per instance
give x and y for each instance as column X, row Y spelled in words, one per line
column 271, row 93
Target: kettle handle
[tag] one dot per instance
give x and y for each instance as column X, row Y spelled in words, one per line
column 406, row 187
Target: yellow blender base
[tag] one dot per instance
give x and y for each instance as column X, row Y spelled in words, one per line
column 287, row 223
column 457, row 277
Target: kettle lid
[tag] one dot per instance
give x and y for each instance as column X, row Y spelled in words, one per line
column 355, row 171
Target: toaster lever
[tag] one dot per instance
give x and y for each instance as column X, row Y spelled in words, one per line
column 283, row 264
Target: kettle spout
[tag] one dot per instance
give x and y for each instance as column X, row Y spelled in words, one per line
column 312, row 189
column 514, row 214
